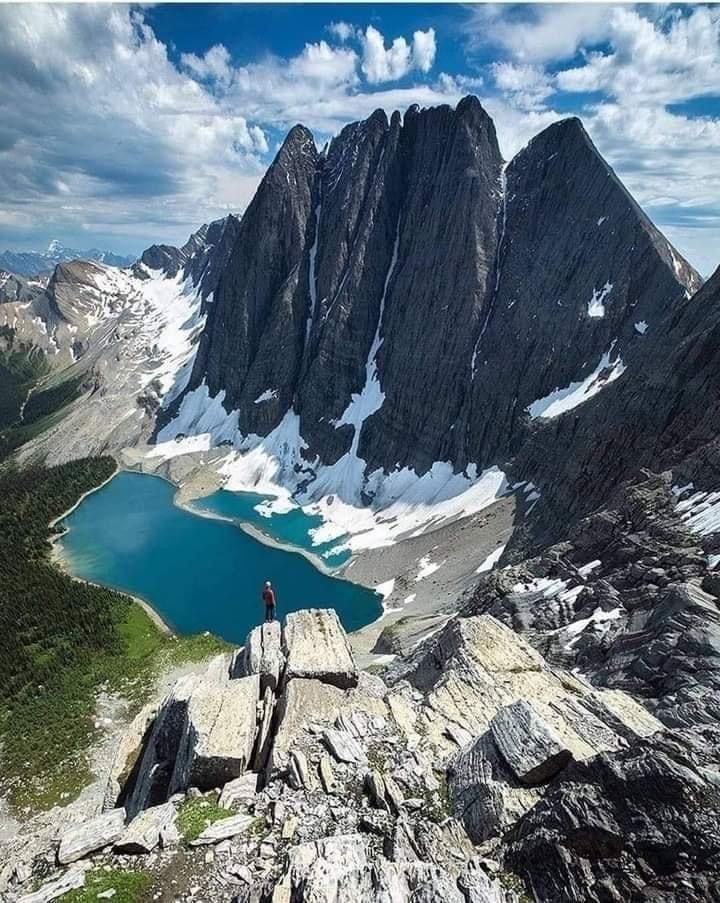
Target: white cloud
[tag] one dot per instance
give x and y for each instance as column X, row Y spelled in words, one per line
column 527, row 86
column 538, row 34
column 341, row 30
column 659, row 62
column 214, row 65
column 381, row 64
column 424, row 49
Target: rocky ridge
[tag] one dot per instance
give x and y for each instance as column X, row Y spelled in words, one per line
column 457, row 777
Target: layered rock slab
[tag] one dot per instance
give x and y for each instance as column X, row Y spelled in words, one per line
column 316, row 647
column 219, row 734
column 92, row 835
column 528, row 745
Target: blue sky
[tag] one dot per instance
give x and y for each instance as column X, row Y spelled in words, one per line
column 124, row 125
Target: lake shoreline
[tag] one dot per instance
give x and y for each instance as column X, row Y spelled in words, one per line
column 62, row 563
column 63, row 553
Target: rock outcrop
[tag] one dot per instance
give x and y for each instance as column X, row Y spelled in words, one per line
column 452, row 781
column 638, row 823
column 316, row 648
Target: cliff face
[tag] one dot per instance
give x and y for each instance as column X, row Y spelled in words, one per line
column 412, row 300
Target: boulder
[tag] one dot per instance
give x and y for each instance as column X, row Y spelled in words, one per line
column 375, row 786
column 219, row 734
column 344, row 746
column 327, row 776
column 223, row 829
column 264, row 736
column 317, row 647
column 484, row 793
column 263, row 654
column 93, row 835
column 529, row 746
column 72, row 879
column 632, row 824
column 299, row 771
column 148, row 829
column 393, row 794
column 239, row 790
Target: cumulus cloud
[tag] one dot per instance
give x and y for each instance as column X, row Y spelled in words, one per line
column 424, row 49
column 381, row 64
column 341, row 30
column 660, row 62
column 538, row 34
column 528, row 87
column 92, row 108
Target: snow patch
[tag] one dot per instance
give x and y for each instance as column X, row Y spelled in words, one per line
column 641, row 327
column 491, row 560
column 385, row 589
column 267, row 395
column 589, row 567
column 427, row 567
column 596, row 305
column 601, row 220
column 559, row 401
column 701, row 512
column 599, row 616
column 172, row 448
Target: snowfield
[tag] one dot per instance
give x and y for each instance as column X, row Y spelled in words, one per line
column 403, row 504
column 559, row 401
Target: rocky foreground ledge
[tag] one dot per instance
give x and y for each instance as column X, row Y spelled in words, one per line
column 472, row 773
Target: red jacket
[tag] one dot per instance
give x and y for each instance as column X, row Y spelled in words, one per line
column 269, row 597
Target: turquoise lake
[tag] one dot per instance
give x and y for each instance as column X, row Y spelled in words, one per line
column 200, row 573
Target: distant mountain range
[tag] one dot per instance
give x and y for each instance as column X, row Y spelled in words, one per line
column 32, row 263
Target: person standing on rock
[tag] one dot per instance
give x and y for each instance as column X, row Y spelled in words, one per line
column 269, row 600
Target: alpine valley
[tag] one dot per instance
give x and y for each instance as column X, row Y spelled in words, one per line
column 494, row 387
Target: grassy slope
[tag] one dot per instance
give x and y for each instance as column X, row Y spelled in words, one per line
column 62, row 640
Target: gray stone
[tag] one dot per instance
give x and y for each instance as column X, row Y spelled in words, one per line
column 393, row 794
column 528, row 744
column 151, row 784
column 263, row 654
column 239, row 790
column 92, row 835
column 484, row 793
column 299, row 771
column 376, row 789
column 327, row 776
column 302, row 703
column 127, row 754
column 264, row 736
column 344, row 747
column 219, row 734
column 316, row 647
column 147, row 829
column 72, row 879
column 223, row 829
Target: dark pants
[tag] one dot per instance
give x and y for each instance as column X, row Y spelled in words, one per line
column 269, row 612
